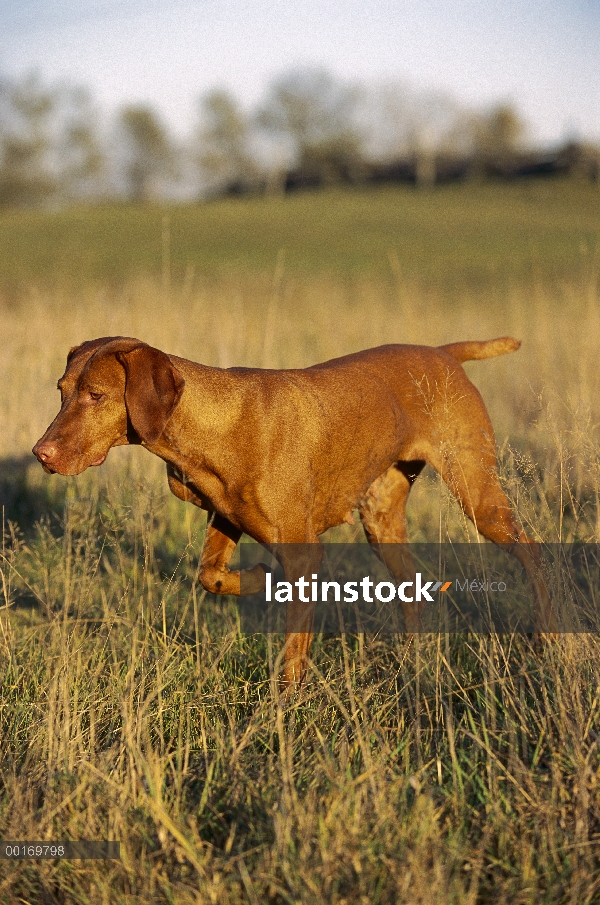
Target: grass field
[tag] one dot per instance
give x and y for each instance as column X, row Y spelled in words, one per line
column 453, row 239
column 444, row 770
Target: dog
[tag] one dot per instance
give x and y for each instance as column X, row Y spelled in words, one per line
column 283, row 455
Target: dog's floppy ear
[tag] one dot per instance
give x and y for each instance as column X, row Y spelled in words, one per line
column 92, row 345
column 153, row 387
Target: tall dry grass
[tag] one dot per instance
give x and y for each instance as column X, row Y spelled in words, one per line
column 543, row 400
column 447, row 770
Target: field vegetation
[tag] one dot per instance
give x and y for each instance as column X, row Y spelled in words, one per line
column 447, row 769
column 453, row 238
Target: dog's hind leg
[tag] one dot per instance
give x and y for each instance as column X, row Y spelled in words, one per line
column 475, row 483
column 383, row 515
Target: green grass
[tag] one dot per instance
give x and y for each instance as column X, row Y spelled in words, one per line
column 449, row 238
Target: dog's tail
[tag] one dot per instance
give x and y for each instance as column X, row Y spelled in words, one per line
column 470, row 351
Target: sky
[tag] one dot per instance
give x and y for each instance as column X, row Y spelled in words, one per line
column 541, row 55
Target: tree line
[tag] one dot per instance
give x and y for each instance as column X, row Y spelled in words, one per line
column 309, row 129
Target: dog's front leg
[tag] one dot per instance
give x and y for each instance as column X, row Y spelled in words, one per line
column 214, row 574
column 300, row 563
column 220, row 541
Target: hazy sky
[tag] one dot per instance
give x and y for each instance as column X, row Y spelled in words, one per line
column 543, row 55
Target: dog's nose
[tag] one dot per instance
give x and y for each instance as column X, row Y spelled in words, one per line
column 45, row 452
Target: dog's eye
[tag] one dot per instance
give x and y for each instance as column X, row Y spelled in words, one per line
column 96, row 396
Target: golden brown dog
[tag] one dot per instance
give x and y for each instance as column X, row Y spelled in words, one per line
column 284, row 455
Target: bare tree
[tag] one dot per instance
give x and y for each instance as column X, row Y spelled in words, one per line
column 315, row 117
column 26, row 173
column 81, row 158
column 149, row 154
column 225, row 156
column 410, row 127
column 384, row 116
column 496, row 136
column 430, row 121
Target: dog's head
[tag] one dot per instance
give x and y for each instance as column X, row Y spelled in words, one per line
column 115, row 390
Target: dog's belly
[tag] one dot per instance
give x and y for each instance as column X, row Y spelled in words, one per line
column 337, row 495
column 342, row 488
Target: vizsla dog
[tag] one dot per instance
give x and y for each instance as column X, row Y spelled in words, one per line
column 284, row 455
